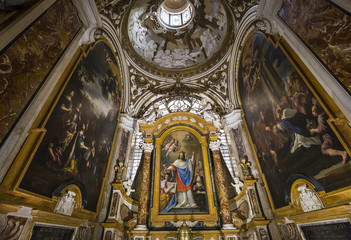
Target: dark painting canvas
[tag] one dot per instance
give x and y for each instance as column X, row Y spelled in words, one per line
column 183, row 184
column 287, row 124
column 80, row 130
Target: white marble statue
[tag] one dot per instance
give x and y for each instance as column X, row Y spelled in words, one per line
column 66, row 204
column 308, row 199
column 238, row 185
column 128, row 187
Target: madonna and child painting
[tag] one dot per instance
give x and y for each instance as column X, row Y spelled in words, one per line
column 182, row 180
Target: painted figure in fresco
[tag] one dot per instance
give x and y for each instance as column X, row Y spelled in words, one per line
column 66, row 107
column 172, row 145
column 166, row 190
column 183, row 170
column 330, row 145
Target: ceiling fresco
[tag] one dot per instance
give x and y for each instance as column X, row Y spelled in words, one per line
column 180, row 48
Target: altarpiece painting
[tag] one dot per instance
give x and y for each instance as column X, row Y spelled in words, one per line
column 182, row 185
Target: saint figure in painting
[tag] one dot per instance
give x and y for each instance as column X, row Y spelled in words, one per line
column 166, row 188
column 183, row 170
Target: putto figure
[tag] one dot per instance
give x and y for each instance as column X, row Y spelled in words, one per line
column 183, row 170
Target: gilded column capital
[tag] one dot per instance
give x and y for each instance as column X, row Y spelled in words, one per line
column 214, row 145
column 148, row 147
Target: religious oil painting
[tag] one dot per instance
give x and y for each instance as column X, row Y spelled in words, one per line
column 326, row 30
column 80, row 130
column 25, row 63
column 182, row 180
column 287, row 124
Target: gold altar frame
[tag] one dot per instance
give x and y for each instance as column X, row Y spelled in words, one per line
column 202, row 130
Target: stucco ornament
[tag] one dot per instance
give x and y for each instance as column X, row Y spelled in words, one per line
column 308, row 199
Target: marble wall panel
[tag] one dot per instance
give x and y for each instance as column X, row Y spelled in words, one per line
column 326, row 30
column 26, row 62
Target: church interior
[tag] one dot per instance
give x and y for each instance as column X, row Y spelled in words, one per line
column 175, row 119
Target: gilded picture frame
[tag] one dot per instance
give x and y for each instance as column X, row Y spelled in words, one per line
column 207, row 215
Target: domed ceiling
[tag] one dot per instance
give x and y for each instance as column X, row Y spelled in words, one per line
column 175, row 48
column 172, row 47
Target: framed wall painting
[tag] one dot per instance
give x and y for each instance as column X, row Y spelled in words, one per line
column 182, row 180
column 25, row 63
column 80, row 131
column 288, row 126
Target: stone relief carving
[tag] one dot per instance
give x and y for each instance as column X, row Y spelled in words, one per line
column 66, row 203
column 308, row 199
column 11, row 227
column 288, row 230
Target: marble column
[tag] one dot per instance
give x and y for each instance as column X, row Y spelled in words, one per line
column 225, row 213
column 145, row 188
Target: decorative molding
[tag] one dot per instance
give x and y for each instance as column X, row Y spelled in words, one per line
column 126, row 122
column 232, row 120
